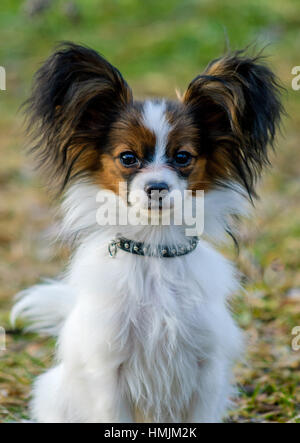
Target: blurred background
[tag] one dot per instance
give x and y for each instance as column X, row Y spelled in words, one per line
column 158, row 46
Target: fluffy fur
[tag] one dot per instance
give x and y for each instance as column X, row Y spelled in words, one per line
column 144, row 338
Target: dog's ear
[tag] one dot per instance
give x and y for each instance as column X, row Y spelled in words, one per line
column 236, row 104
column 76, row 96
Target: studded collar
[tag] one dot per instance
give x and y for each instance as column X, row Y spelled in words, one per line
column 144, row 250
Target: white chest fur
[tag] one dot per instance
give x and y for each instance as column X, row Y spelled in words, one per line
column 158, row 320
column 155, row 334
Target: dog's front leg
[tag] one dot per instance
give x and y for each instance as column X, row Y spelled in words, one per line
column 85, row 387
column 110, row 404
column 212, row 398
column 99, row 359
column 75, row 395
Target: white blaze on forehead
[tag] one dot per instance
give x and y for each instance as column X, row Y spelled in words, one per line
column 154, row 115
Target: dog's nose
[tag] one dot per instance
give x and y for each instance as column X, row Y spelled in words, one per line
column 154, row 187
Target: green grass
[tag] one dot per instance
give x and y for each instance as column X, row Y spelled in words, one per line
column 159, row 46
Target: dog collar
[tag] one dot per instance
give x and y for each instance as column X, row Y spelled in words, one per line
column 144, row 250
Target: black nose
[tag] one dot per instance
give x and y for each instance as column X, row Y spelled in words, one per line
column 156, row 186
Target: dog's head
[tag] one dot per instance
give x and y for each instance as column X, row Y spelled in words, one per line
column 87, row 124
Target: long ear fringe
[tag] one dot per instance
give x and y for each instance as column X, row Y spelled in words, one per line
column 237, row 103
column 76, row 96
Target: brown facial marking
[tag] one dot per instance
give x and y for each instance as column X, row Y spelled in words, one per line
column 128, row 134
column 130, row 131
column 185, row 136
column 197, row 179
column 109, row 176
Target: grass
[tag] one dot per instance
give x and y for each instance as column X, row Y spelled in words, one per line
column 159, row 46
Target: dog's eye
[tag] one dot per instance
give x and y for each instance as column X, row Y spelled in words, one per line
column 128, row 159
column 183, row 158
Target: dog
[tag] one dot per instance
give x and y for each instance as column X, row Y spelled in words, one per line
column 142, row 316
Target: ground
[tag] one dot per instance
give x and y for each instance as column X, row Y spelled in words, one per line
column 158, row 46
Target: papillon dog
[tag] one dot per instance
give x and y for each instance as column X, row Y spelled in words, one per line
column 142, row 315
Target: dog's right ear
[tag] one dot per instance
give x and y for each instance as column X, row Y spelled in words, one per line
column 76, row 97
column 236, row 104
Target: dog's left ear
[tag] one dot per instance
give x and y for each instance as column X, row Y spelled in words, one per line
column 76, row 97
column 236, row 104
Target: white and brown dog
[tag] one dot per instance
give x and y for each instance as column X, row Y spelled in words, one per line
column 149, row 331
